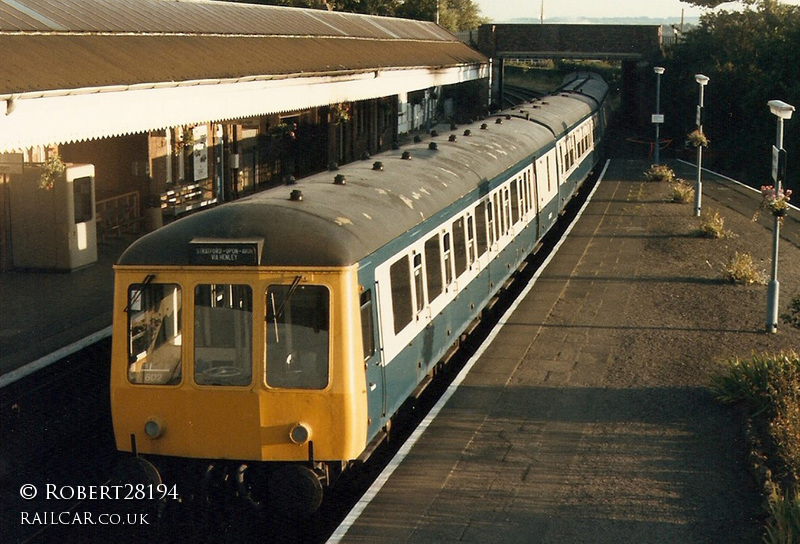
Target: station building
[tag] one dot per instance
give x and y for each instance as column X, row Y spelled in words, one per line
column 121, row 115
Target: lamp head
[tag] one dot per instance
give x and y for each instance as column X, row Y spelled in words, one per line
column 659, row 70
column 780, row 109
column 701, row 79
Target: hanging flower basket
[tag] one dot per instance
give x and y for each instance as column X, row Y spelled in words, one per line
column 340, row 113
column 53, row 169
column 777, row 202
column 697, row 138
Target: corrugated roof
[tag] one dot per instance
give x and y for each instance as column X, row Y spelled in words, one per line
column 182, row 62
column 62, row 62
column 203, row 17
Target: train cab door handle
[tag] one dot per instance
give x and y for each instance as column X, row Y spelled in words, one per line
column 373, row 386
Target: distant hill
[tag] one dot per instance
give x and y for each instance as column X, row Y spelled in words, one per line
column 689, row 21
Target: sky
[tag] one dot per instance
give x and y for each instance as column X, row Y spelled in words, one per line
column 504, row 10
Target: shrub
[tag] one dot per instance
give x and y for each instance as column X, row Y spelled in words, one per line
column 659, row 172
column 682, row 192
column 740, row 269
column 712, row 225
column 784, row 524
column 770, row 388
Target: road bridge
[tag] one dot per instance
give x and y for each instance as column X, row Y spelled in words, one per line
column 637, row 46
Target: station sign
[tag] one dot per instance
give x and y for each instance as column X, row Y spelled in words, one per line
column 658, row 118
column 11, row 163
column 217, row 252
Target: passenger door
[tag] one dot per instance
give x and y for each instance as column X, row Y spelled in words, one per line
column 373, row 359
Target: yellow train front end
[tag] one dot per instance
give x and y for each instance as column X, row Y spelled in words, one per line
column 244, row 366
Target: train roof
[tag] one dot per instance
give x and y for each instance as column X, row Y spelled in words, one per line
column 339, row 225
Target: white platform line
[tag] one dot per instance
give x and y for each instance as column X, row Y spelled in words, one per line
column 384, row 476
column 57, row 355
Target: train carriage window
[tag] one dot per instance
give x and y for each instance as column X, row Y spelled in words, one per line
column 490, row 221
column 480, row 214
column 531, row 185
column 223, row 334
column 154, row 333
column 514, row 202
column 367, row 324
column 298, row 336
column 419, row 287
column 400, row 278
column 433, row 267
column 460, row 246
column 506, row 200
column 448, row 258
column 471, row 253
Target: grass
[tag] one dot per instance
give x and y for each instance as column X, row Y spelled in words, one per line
column 769, row 388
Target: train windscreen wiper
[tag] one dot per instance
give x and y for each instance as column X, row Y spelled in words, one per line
column 277, row 313
column 148, row 279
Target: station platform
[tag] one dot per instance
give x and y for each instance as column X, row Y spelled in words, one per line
column 46, row 315
column 588, row 417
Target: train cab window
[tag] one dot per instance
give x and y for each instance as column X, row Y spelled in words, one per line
column 154, row 333
column 400, row 278
column 483, row 241
column 418, row 282
column 433, row 267
column 460, row 246
column 298, row 336
column 367, row 324
column 223, row 333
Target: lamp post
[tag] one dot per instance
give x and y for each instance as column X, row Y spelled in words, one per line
column 658, row 118
column 698, row 188
column 782, row 111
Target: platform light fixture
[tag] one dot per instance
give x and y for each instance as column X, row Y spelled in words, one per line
column 783, row 112
column 698, row 188
column 658, row 118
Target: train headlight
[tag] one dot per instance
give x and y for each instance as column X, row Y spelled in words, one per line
column 300, row 433
column 154, row 427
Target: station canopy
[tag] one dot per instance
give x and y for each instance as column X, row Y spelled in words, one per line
column 76, row 70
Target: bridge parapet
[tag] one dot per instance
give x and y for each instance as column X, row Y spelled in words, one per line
column 529, row 41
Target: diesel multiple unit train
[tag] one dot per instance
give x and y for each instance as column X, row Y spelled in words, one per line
column 269, row 341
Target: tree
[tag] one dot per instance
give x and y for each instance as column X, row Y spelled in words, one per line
column 751, row 58
column 454, row 15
